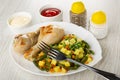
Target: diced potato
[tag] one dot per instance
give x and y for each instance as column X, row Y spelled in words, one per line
column 60, row 46
column 63, row 50
column 72, row 41
column 90, row 59
column 63, row 70
column 67, row 52
column 57, row 69
column 49, row 60
column 62, row 62
column 62, row 42
column 77, row 52
column 53, row 62
column 67, row 42
column 80, row 55
column 79, row 39
column 41, row 54
column 41, row 63
column 67, row 64
column 81, row 50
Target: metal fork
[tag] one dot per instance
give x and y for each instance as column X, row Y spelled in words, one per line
column 53, row 53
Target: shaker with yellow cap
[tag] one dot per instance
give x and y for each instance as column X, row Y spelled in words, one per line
column 78, row 14
column 98, row 24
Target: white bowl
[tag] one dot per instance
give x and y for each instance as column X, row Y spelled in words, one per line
column 53, row 18
column 19, row 28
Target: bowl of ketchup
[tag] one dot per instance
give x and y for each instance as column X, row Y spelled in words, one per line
column 50, row 13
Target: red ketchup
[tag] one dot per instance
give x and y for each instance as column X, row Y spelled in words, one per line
column 50, row 12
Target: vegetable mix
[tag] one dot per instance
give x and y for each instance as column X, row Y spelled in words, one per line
column 72, row 47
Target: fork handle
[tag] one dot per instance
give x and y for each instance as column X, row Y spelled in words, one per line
column 105, row 74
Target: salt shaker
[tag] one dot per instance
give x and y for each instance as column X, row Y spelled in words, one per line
column 78, row 14
column 98, row 24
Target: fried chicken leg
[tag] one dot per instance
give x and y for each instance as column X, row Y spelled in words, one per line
column 23, row 42
column 50, row 35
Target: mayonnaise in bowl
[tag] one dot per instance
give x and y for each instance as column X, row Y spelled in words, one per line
column 19, row 20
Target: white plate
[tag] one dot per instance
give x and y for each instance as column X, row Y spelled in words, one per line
column 69, row 28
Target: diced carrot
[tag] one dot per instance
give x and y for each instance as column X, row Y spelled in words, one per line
column 67, row 47
column 73, row 56
column 49, row 60
column 51, row 70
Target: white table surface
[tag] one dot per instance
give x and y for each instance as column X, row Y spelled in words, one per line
column 110, row 45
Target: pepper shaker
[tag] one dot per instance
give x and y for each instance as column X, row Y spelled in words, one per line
column 78, row 14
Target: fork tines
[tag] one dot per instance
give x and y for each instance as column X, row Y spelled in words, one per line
column 47, row 49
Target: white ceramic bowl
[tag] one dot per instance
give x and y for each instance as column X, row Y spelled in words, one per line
column 19, row 28
column 53, row 18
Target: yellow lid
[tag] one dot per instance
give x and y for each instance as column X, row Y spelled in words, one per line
column 98, row 17
column 78, row 7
